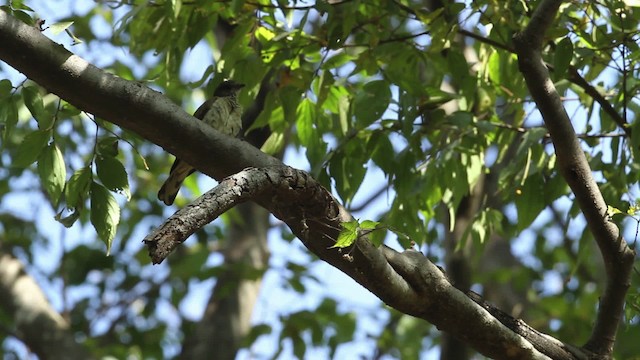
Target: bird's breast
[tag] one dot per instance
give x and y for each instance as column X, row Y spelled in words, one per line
column 224, row 116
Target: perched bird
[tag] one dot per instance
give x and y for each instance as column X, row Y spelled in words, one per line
column 223, row 113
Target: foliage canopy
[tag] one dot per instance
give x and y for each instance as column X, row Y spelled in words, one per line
column 414, row 113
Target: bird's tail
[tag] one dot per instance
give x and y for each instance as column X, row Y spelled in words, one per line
column 169, row 190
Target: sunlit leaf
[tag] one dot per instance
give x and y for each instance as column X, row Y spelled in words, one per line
column 495, row 73
column 78, row 186
column 8, row 118
column 263, row 34
column 305, row 124
column 57, row 28
column 34, row 103
column 369, row 224
column 113, row 175
column 274, row 144
column 348, row 234
column 613, row 211
column 52, row 171
column 105, row 213
column 30, row 148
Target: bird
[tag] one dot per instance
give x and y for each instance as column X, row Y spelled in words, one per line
column 222, row 112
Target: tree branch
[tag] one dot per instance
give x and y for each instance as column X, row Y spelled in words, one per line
column 41, row 328
column 573, row 165
column 412, row 284
column 577, row 79
column 231, row 191
column 574, row 77
column 407, row 281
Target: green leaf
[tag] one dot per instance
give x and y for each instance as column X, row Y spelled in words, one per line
column 290, row 98
column 68, row 220
column 484, row 101
column 530, row 201
column 8, row 117
column 304, row 125
column 555, row 186
column 274, row 144
column 348, row 234
column 76, row 40
column 530, row 141
column 263, row 34
column 381, row 151
column 348, row 170
column 113, row 175
column 478, row 231
column 377, row 237
column 343, row 114
column 613, row 211
column 494, row 68
column 108, row 146
column 30, row 148
column 336, row 99
column 77, row 187
column 437, row 97
column 105, row 213
column 461, row 119
column 299, row 347
column 33, row 101
column 57, row 28
column 24, row 17
column 255, row 332
column 369, row 224
column 458, row 65
column 5, row 88
column 562, row 58
column 474, row 166
column 485, row 223
column 371, row 102
column 52, row 172
column 338, row 60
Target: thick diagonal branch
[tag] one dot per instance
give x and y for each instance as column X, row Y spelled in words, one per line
column 575, row 169
column 408, row 281
column 233, row 190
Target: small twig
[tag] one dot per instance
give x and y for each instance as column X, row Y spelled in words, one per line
column 522, row 130
column 367, row 202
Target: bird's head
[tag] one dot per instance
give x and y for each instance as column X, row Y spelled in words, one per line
column 228, row 88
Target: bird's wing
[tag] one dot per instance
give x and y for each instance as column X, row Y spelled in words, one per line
column 202, row 110
column 199, row 114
